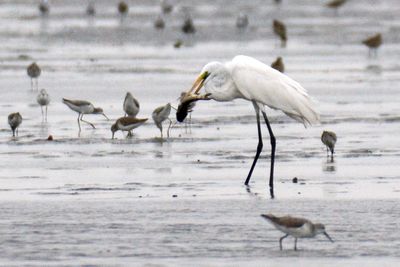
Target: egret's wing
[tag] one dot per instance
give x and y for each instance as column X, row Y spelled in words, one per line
column 261, row 83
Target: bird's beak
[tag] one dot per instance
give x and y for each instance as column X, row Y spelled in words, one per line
column 330, row 239
column 198, row 83
column 105, row 116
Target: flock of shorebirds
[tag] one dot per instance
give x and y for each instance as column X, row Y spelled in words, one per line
column 296, row 227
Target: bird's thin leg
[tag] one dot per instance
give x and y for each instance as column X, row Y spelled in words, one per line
column 16, row 131
column 91, row 124
column 46, row 113
column 259, row 146
column 37, row 84
column 41, row 108
column 169, row 127
column 13, row 130
column 295, row 243
column 79, row 124
column 190, row 122
column 31, row 84
column 280, row 240
column 273, row 146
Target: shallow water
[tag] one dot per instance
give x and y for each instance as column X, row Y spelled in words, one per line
column 179, row 201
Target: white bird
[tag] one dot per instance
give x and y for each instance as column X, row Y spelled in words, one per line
column 247, row 78
column 83, row 107
column 161, row 114
column 43, row 99
column 131, row 105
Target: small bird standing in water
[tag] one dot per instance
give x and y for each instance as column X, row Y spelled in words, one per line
column 123, row 9
column 131, row 105
column 83, row 107
column 188, row 25
column 90, row 9
column 336, row 4
column 43, row 99
column 44, row 7
column 278, row 64
column 296, row 227
column 373, row 43
column 329, row 140
column 126, row 124
column 159, row 23
column 242, row 21
column 166, row 6
column 161, row 114
column 34, row 72
column 14, row 120
column 280, row 30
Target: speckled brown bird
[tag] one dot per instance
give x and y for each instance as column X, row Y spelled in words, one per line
column 329, row 138
column 280, row 30
column 188, row 25
column 123, row 9
column 373, row 43
column 335, row 3
column 44, row 7
column 278, row 64
column 126, row 124
column 14, row 120
column 296, row 227
column 34, row 72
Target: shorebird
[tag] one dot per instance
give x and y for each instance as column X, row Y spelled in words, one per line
column 126, row 124
column 43, row 99
column 178, row 43
column 44, row 7
column 14, row 120
column 249, row 79
column 34, row 72
column 83, row 107
column 280, row 30
column 242, row 21
column 159, row 23
column 296, row 227
column 329, row 140
column 188, row 26
column 278, row 64
column 373, row 43
column 123, row 9
column 336, row 4
column 161, row 114
column 90, row 9
column 131, row 105
column 166, row 6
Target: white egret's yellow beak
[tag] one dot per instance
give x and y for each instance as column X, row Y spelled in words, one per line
column 198, row 84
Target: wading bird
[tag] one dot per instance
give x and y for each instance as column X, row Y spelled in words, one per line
column 278, row 65
column 43, row 99
column 44, row 7
column 90, row 9
column 242, row 21
column 126, row 124
column 296, row 227
column 336, row 4
column 123, row 9
column 329, row 140
column 14, row 120
column 159, row 23
column 131, row 105
column 280, row 30
column 34, row 72
column 166, row 6
column 161, row 114
column 83, row 107
column 188, row 25
column 373, row 43
column 247, row 78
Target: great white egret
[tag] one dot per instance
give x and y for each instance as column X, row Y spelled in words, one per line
column 247, row 78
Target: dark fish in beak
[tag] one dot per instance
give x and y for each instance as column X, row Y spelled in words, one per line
column 185, row 105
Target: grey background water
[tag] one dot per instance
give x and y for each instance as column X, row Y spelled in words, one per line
column 96, row 201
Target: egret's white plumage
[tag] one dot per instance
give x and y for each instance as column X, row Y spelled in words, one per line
column 247, row 78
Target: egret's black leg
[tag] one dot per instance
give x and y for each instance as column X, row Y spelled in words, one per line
column 169, row 127
column 295, row 243
column 259, row 146
column 273, row 146
column 280, row 240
